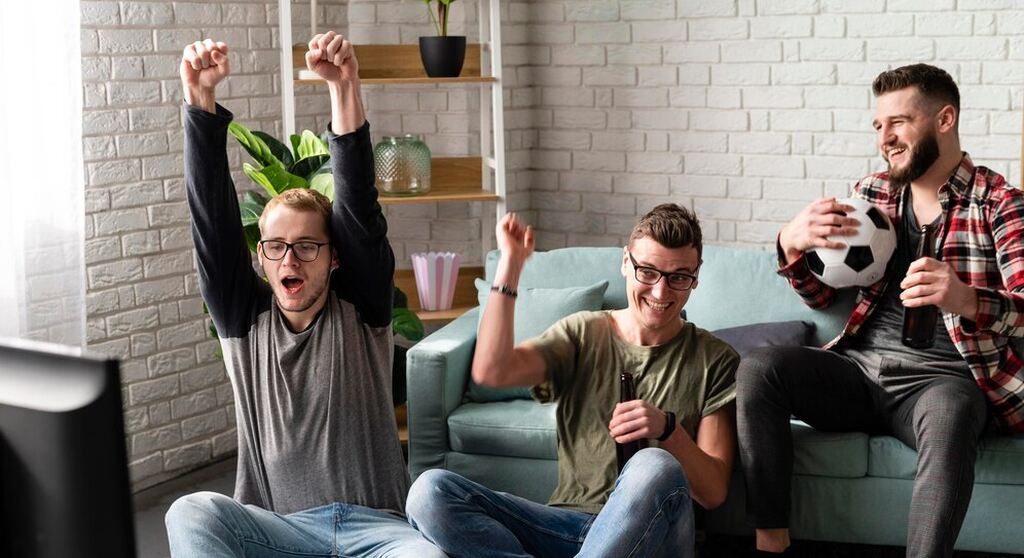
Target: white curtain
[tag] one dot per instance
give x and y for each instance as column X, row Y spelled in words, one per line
column 42, row 270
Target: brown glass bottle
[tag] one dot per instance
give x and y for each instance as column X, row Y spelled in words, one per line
column 627, row 392
column 919, row 323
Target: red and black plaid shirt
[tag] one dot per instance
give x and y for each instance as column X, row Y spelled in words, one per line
column 982, row 229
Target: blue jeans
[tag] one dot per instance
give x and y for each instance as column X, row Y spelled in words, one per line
column 649, row 513
column 207, row 524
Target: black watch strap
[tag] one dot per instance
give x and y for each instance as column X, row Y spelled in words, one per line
column 670, row 426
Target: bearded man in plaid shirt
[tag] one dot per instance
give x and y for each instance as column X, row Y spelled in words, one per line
column 937, row 400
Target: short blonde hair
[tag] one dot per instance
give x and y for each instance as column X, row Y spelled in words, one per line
column 300, row 199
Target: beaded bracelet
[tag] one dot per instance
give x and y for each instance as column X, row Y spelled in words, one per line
column 505, row 290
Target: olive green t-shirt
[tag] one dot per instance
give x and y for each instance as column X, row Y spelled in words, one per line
column 692, row 375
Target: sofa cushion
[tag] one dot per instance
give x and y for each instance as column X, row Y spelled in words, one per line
column 571, row 267
column 744, row 339
column 537, row 309
column 740, row 286
column 1000, row 459
column 829, row 454
column 516, row 428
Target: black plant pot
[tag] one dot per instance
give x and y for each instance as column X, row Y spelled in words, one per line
column 443, row 56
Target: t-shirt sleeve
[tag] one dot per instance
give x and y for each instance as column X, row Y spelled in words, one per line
column 720, row 387
column 558, row 347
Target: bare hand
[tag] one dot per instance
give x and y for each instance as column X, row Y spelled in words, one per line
column 636, row 420
column 811, row 227
column 930, row 281
column 204, row 64
column 332, row 57
column 515, row 240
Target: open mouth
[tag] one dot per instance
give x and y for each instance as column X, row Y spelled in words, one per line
column 292, row 285
column 895, row 153
column 657, row 306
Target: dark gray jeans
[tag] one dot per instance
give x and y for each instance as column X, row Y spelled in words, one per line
column 940, row 414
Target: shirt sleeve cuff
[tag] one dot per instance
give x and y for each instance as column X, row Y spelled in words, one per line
column 797, row 269
column 194, row 112
column 990, row 308
column 359, row 133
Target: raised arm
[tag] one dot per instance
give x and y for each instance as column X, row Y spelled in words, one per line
column 226, row 278
column 497, row 362
column 358, row 228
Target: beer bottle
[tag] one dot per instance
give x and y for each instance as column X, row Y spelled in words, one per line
column 919, row 323
column 627, row 392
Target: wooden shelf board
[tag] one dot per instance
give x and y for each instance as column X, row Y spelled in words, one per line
column 453, row 179
column 387, row 63
column 402, row 421
column 407, row 81
column 464, row 300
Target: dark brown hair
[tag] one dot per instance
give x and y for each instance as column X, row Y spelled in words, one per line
column 670, row 225
column 301, row 199
column 935, row 84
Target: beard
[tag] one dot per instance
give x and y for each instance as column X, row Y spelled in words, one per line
column 921, row 158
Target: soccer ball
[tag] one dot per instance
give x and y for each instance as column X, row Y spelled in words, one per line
column 862, row 262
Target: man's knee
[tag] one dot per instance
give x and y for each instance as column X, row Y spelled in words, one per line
column 760, row 368
column 427, row 496
column 196, row 509
column 654, row 471
column 951, row 407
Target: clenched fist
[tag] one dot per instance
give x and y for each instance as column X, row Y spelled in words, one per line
column 332, row 57
column 203, row 65
column 515, row 239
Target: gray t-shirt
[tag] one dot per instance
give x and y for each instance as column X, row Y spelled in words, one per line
column 881, row 336
column 314, row 414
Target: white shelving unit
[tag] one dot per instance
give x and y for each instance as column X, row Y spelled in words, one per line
column 473, row 178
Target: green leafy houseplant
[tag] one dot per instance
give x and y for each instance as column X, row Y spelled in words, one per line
column 307, row 164
column 441, row 20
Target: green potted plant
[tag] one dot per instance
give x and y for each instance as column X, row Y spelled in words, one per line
column 442, row 55
column 306, row 164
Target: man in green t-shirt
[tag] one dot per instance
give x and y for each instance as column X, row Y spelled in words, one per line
column 684, row 376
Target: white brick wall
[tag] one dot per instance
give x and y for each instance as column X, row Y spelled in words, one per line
column 766, row 104
column 741, row 109
column 142, row 300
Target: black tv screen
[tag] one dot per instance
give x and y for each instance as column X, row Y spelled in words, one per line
column 63, row 465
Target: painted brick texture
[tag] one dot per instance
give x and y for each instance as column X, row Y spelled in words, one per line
column 743, row 110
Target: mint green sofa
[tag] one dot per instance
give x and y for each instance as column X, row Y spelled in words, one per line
column 846, row 487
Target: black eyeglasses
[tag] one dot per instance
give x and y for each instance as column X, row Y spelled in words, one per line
column 305, row 251
column 650, row 276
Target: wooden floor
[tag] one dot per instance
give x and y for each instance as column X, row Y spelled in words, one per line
column 720, row 546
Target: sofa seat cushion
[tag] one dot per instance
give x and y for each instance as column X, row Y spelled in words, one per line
column 1000, row 459
column 515, row 428
column 829, row 454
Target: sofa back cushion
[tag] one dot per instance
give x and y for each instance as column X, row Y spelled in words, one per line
column 740, row 286
column 572, row 267
column 537, row 308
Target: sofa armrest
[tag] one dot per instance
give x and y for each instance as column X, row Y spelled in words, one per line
column 436, row 373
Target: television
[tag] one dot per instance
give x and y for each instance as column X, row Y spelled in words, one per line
column 64, row 488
